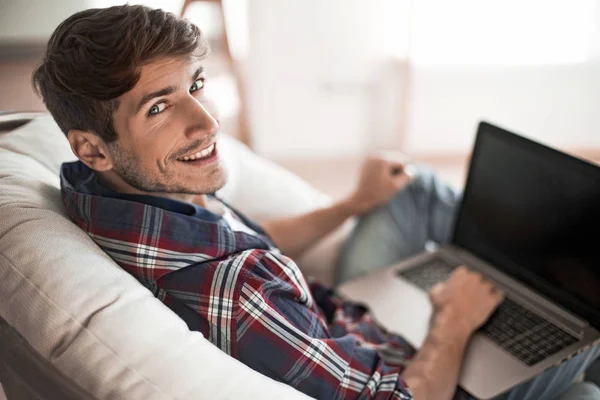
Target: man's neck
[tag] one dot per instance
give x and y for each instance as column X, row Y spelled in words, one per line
column 114, row 182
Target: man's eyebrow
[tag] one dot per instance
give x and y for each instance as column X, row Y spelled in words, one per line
column 163, row 92
column 149, row 96
column 197, row 73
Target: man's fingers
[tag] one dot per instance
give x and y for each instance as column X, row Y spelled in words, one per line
column 401, row 181
column 498, row 295
column 460, row 270
column 435, row 293
column 397, row 170
column 437, row 287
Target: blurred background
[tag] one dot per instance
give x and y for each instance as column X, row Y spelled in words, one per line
column 316, row 84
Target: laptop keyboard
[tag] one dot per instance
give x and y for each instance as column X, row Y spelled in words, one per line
column 521, row 332
column 428, row 274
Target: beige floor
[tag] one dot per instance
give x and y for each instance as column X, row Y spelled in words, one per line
column 338, row 176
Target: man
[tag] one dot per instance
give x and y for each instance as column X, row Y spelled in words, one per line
column 126, row 85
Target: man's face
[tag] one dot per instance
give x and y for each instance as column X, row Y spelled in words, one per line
column 167, row 136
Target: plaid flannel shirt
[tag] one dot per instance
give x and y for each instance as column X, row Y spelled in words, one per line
column 244, row 296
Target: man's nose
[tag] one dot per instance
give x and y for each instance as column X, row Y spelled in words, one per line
column 202, row 121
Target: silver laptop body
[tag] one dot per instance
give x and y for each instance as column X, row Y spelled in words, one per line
column 541, row 324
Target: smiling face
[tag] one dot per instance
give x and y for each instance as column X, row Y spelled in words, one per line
column 167, row 141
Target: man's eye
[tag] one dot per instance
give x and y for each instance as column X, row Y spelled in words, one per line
column 156, row 109
column 199, row 84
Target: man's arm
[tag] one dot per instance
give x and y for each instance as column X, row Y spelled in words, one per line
column 267, row 318
column 433, row 373
column 380, row 178
column 280, row 333
column 256, row 307
column 294, row 235
column 463, row 304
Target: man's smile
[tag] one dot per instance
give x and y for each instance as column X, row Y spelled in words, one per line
column 200, row 154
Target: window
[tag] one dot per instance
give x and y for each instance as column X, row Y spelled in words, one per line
column 502, row 32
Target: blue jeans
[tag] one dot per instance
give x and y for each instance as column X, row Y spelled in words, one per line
column 424, row 212
column 581, row 391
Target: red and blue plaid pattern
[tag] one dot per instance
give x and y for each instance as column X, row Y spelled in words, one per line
column 245, row 297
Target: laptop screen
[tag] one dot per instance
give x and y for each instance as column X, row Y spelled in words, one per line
column 534, row 213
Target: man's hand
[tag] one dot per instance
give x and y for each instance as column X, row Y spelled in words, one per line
column 462, row 304
column 381, row 176
column 467, row 298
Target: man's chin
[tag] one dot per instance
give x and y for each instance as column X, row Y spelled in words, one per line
column 217, row 183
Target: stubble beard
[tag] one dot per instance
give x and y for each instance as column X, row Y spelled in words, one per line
column 127, row 166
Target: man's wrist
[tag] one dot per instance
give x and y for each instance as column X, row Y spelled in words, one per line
column 452, row 326
column 353, row 205
column 348, row 207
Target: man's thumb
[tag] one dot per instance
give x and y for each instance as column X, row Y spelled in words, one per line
column 402, row 180
column 436, row 292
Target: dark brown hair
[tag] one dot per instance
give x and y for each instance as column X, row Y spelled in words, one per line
column 95, row 56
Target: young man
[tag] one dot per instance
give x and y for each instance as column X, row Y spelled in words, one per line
column 126, row 85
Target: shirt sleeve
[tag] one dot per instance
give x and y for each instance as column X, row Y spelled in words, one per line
column 281, row 333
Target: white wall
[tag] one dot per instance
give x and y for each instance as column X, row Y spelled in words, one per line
column 37, row 19
column 28, row 20
column 558, row 105
column 324, row 78
column 313, row 82
column 532, row 65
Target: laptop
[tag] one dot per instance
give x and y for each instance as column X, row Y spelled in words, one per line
column 529, row 221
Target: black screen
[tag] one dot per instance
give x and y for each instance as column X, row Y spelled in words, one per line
column 534, row 213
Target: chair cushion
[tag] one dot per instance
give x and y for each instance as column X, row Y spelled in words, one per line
column 83, row 314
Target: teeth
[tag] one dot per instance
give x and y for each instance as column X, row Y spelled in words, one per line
column 207, row 151
column 201, row 154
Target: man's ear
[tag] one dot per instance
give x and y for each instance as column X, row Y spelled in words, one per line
column 90, row 149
